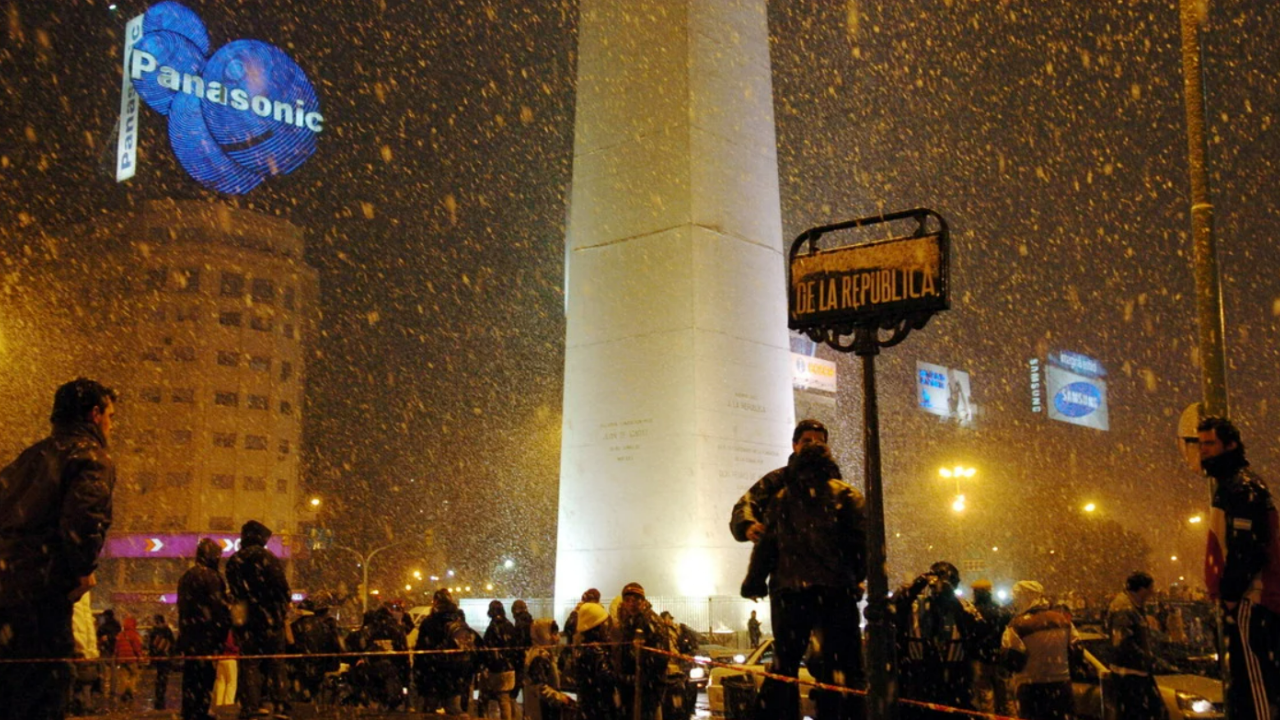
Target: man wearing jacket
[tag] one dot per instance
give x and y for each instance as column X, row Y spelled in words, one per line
column 1136, row 694
column 203, row 621
column 55, row 508
column 810, row 531
column 258, row 586
column 1038, row 644
column 1242, row 568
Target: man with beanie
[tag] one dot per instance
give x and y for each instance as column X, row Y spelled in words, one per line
column 261, row 597
column 1242, row 569
column 203, row 621
column 1037, row 645
column 638, row 621
column 810, row 531
column 55, row 508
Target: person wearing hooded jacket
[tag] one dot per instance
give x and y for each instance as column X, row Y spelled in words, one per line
column 1242, row 569
column 260, row 592
column 542, row 697
column 1037, row 645
column 523, row 621
column 502, row 655
column 810, row 534
column 203, row 621
column 55, row 509
column 129, row 656
column 444, row 678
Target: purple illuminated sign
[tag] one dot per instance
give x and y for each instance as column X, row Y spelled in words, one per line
column 180, row 545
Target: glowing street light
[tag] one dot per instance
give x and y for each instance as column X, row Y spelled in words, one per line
column 508, row 563
column 1195, row 519
column 417, row 574
column 958, row 504
column 1090, row 507
column 488, row 587
column 315, row 503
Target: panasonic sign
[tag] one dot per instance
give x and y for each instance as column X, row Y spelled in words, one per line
column 237, row 115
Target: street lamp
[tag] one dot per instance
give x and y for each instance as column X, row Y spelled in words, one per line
column 1090, row 507
column 1195, row 519
column 315, row 503
column 364, row 567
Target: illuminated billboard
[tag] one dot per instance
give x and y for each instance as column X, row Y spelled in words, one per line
column 945, row 392
column 1077, row 394
column 811, row 373
column 180, row 545
column 236, row 115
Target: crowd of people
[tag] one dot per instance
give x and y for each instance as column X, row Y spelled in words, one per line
column 809, row 558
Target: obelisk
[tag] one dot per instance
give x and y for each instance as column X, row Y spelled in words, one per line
column 677, row 365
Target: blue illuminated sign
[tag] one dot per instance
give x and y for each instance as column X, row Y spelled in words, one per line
column 238, row 114
column 1078, row 400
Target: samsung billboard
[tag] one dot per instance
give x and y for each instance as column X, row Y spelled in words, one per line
column 236, row 115
column 1076, row 392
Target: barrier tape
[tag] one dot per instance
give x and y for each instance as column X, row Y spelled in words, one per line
column 410, row 653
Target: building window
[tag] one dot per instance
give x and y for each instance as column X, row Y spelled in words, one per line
column 286, row 407
column 284, row 447
column 188, row 280
column 150, row 394
column 261, row 323
column 259, row 363
column 174, row 522
column 184, row 395
column 258, row 402
column 229, row 318
column 190, row 314
column 288, row 331
column 178, row 479
column 255, row 483
column 226, row 399
column 286, row 370
column 156, row 278
column 282, row 485
column 147, row 436
column 153, row 354
column 146, row 481
column 264, row 291
column 228, row 358
column 223, row 482
column 224, row 440
column 255, row 442
column 288, row 297
column 184, row 354
column 180, row 437
column 232, row 285
column 221, row 523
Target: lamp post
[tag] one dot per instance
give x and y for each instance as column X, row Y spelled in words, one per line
column 364, row 565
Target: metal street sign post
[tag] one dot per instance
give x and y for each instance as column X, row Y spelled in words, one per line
column 858, row 292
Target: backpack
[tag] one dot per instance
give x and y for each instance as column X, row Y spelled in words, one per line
column 459, row 637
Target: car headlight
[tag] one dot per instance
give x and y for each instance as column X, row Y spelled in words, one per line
column 1191, row 702
column 697, row 673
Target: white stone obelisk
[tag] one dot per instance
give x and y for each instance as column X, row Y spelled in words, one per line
column 677, row 365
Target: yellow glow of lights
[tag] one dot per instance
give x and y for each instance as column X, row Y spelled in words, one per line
column 488, row 586
column 1195, row 519
column 1090, row 507
column 315, row 502
column 958, row 504
column 1173, row 558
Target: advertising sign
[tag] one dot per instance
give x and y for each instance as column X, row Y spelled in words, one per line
column 944, row 391
column 127, row 144
column 811, row 373
column 859, row 284
column 173, row 545
column 1077, row 394
column 236, row 115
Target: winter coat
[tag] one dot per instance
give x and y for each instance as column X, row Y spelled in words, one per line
column 1130, row 636
column 1243, row 557
column 108, row 631
column 446, row 673
column 597, row 681
column 203, row 614
column 160, row 644
column 653, row 634
column 55, row 508
column 503, row 649
column 815, row 527
column 1038, row 644
column 938, row 637
column 318, row 635
column 523, row 620
column 542, row 697
column 255, row 577
column 129, row 642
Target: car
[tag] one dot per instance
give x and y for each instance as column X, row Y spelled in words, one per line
column 1186, row 695
column 755, row 662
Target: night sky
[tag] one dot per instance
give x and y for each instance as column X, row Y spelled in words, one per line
column 1049, row 134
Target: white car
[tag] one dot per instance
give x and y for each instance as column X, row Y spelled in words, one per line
column 755, row 661
column 1186, row 696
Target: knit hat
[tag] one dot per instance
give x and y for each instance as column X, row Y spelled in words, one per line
column 592, row 595
column 633, row 588
column 980, row 585
column 591, row 615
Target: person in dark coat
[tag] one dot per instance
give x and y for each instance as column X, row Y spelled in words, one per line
column 597, row 679
column 637, row 620
column 810, row 531
column 108, row 628
column 160, row 647
column 260, row 593
column 315, row 633
column 502, row 655
column 523, row 621
column 1134, row 662
column 55, row 509
column 991, row 684
column 387, row 676
column 542, row 697
column 443, row 679
column 203, row 621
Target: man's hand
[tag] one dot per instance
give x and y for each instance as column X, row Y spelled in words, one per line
column 755, row 532
column 86, row 584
